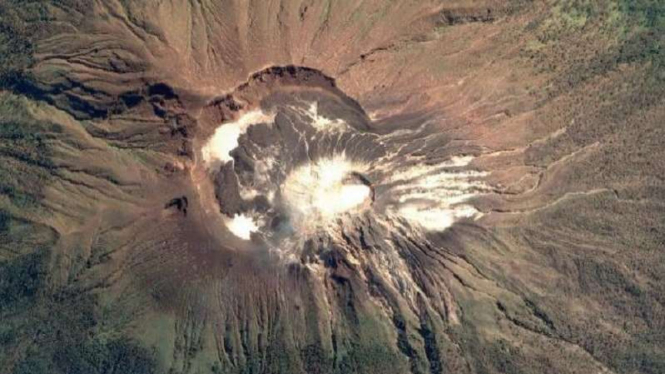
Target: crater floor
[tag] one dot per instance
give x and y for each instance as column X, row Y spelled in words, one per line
column 306, row 163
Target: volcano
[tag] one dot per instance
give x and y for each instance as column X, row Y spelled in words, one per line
column 304, row 186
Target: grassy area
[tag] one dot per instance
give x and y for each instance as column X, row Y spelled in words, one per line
column 16, row 38
column 25, row 152
column 38, row 319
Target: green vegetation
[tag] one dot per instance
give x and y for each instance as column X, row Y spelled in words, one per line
column 16, row 35
column 374, row 359
column 20, row 280
column 610, row 53
column 41, row 330
column 4, row 222
column 647, row 17
column 23, row 137
column 96, row 356
column 58, row 331
column 25, row 152
column 118, row 356
column 609, row 32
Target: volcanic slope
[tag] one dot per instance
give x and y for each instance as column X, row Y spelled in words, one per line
column 304, row 186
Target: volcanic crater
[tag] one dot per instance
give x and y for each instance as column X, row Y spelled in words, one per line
column 299, row 159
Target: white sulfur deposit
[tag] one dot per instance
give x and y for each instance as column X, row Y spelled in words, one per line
column 225, row 139
column 317, row 192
